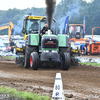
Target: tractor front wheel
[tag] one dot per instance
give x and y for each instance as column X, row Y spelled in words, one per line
column 28, row 51
column 34, row 61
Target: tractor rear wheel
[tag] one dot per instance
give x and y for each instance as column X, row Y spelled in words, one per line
column 34, row 61
column 28, row 51
column 65, row 61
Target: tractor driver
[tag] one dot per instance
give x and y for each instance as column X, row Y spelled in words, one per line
column 34, row 26
column 45, row 28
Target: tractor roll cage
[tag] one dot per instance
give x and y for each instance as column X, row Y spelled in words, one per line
column 46, row 19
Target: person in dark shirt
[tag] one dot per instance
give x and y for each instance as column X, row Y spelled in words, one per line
column 45, row 28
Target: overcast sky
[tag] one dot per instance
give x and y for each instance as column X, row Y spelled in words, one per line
column 22, row 4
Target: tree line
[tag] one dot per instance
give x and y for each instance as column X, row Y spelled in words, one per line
column 75, row 9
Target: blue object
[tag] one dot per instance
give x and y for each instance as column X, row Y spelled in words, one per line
column 84, row 24
column 66, row 24
column 82, row 46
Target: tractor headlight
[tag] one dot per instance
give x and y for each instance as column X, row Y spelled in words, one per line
column 54, row 51
column 45, row 50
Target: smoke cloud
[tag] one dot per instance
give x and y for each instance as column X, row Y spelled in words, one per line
column 50, row 10
column 72, row 11
column 18, row 27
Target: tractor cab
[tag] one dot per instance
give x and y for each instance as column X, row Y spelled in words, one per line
column 31, row 25
column 76, row 31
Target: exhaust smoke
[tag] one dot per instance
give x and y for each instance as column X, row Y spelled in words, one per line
column 50, row 7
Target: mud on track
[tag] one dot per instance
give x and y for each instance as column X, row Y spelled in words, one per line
column 80, row 82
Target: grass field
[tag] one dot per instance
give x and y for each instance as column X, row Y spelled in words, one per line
column 25, row 95
column 93, row 64
column 9, row 57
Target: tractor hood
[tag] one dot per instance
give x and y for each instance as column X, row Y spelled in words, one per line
column 49, row 41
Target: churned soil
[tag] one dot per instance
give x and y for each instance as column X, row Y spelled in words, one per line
column 79, row 82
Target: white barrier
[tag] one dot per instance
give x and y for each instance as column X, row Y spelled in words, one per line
column 3, row 54
column 83, row 59
column 58, row 93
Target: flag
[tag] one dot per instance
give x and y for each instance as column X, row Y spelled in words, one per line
column 84, row 24
column 66, row 24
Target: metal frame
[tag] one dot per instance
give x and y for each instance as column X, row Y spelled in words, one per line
column 93, row 31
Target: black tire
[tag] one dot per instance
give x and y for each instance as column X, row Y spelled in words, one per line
column 85, row 51
column 65, row 61
column 34, row 61
column 28, row 51
column 71, row 53
column 78, row 53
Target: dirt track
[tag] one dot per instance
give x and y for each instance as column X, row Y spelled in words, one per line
column 79, row 82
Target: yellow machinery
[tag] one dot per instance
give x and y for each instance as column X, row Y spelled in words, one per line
column 10, row 27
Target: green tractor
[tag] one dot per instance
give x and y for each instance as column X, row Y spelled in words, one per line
column 51, row 49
